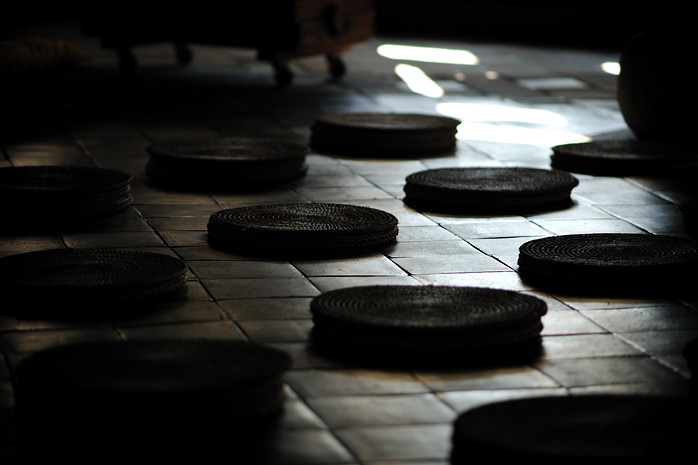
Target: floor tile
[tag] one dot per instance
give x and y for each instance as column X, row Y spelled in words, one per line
column 120, row 239
column 328, row 283
column 498, row 279
column 657, row 318
column 495, row 229
column 372, row 265
column 367, row 410
column 590, row 226
column 667, row 342
column 563, row 322
column 311, row 446
column 470, row 263
column 424, row 233
column 513, row 377
column 413, row 442
column 462, row 401
column 244, row 269
column 427, row 249
column 591, row 345
column 193, row 330
column 231, row 288
column 269, row 331
column 578, row 372
column 311, row 383
column 273, row 308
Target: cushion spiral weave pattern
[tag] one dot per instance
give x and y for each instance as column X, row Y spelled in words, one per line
column 80, row 275
column 489, row 188
column 383, row 133
column 303, row 226
column 413, row 324
column 427, row 308
column 611, row 262
column 625, row 158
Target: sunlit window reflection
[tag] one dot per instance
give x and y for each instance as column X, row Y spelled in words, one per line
column 497, row 123
column 493, row 123
column 429, row 54
column 611, row 67
column 500, row 113
column 503, row 133
column 418, row 82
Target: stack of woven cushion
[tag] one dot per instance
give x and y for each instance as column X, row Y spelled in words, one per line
column 427, row 325
column 592, row 428
column 623, row 263
column 158, row 397
column 383, row 134
column 489, row 189
column 88, row 282
column 53, row 197
column 301, row 229
column 626, row 157
column 226, row 163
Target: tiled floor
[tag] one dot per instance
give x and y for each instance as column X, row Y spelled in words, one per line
column 516, row 102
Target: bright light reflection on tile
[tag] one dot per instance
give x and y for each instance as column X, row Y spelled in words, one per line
column 428, row 54
column 418, row 82
column 611, row 67
column 552, row 83
column 516, row 135
column 500, row 113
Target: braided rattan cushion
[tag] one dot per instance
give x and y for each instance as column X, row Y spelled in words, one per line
column 389, row 134
column 145, row 395
column 226, row 163
column 626, row 157
column 576, row 429
column 301, row 228
column 50, row 196
column 90, row 279
column 489, row 189
column 425, row 321
column 610, row 262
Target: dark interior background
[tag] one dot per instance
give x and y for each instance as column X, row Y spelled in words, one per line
column 589, row 23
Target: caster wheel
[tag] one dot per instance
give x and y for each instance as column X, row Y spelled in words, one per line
column 127, row 61
column 184, row 54
column 282, row 74
column 336, row 66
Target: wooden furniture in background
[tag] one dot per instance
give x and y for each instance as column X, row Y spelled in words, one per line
column 280, row 31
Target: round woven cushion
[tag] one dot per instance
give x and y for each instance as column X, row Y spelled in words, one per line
column 580, row 429
column 626, row 158
column 306, row 227
column 427, row 319
column 140, row 390
column 93, row 277
column 42, row 195
column 606, row 262
column 489, row 189
column 228, row 163
column 383, row 134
